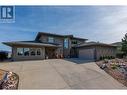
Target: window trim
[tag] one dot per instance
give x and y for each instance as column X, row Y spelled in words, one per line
column 51, row 39
column 28, row 51
column 37, row 50
column 18, row 52
column 23, row 51
column 31, row 51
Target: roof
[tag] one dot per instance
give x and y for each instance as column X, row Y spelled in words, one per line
column 31, row 43
column 94, row 44
column 57, row 35
column 117, row 44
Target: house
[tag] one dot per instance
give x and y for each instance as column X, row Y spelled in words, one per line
column 47, row 46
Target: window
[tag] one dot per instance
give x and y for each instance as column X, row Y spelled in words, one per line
column 38, row 51
column 50, row 39
column 74, row 42
column 26, row 51
column 20, row 51
column 32, row 51
column 66, row 43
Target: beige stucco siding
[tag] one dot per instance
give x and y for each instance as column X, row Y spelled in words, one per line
column 17, row 57
column 43, row 38
column 96, row 51
column 105, row 51
column 57, row 40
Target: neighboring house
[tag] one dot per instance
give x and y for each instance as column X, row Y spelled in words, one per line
column 47, row 45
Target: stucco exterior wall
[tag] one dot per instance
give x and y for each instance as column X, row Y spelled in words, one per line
column 58, row 40
column 99, row 51
column 105, row 51
column 16, row 57
column 43, row 38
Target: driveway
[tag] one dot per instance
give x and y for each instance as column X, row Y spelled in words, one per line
column 61, row 74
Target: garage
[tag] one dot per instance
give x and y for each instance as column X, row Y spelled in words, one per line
column 94, row 50
column 86, row 54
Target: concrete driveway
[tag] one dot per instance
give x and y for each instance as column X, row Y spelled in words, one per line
column 61, row 74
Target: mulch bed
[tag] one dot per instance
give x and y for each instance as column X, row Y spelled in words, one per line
column 8, row 80
column 114, row 72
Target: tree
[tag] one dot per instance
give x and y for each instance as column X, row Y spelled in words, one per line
column 124, row 45
column 3, row 55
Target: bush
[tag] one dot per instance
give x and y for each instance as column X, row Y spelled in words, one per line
column 3, row 55
column 114, row 66
column 106, row 57
column 105, row 61
column 119, row 55
column 101, row 58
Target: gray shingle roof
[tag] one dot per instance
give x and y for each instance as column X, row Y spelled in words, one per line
column 58, row 35
column 31, row 43
column 94, row 44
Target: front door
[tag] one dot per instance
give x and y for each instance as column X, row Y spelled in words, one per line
column 49, row 53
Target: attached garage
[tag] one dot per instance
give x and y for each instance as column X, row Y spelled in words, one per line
column 87, row 54
column 93, row 51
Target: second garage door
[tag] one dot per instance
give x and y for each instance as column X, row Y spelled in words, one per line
column 86, row 54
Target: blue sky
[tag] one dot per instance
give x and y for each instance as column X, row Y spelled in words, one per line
column 106, row 24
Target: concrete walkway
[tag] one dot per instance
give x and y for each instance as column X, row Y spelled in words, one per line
column 61, row 74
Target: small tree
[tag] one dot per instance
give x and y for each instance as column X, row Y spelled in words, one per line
column 124, row 45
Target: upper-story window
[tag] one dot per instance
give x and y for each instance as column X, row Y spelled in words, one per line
column 74, row 42
column 66, row 43
column 51, row 39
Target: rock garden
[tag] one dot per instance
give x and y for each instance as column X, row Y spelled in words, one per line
column 117, row 68
column 8, row 80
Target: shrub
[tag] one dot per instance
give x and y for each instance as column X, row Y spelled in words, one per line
column 114, row 66
column 105, row 61
column 106, row 57
column 119, row 55
column 101, row 58
column 3, row 55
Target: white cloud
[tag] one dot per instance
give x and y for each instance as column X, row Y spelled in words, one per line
column 111, row 25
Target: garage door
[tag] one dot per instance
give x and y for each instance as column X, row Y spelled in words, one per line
column 87, row 54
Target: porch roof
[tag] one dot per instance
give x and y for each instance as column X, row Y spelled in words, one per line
column 31, row 43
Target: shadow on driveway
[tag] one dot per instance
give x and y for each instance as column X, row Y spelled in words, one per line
column 78, row 60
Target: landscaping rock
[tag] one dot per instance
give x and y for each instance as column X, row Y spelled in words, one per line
column 9, row 81
column 117, row 68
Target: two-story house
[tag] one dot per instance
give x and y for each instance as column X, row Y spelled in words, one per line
column 47, row 46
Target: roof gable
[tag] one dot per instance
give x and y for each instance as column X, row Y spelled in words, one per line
column 57, row 35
